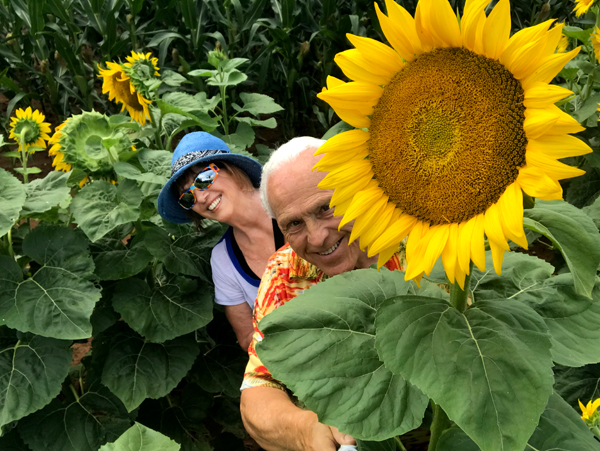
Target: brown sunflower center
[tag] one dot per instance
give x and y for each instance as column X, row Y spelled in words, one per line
column 447, row 135
column 123, row 92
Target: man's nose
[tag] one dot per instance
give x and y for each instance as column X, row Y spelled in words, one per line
column 316, row 233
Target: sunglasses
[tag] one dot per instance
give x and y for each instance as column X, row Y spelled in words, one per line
column 203, row 180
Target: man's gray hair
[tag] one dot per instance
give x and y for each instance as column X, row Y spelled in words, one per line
column 290, row 151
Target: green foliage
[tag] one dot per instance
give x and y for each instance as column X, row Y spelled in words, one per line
column 11, row 202
column 139, row 438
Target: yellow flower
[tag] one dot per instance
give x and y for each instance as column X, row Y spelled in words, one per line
column 582, row 7
column 34, row 121
column 122, row 85
column 589, row 410
column 562, row 44
column 595, row 38
column 461, row 120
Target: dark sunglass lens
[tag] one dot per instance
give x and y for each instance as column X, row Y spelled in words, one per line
column 204, row 179
column 187, row 200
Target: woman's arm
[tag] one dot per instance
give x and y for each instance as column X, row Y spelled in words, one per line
column 240, row 318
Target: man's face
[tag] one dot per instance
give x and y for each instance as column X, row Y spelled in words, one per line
column 303, row 214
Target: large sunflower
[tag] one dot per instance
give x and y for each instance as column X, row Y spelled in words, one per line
column 37, row 130
column 125, row 83
column 461, row 120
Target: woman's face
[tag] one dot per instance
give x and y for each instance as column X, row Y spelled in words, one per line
column 219, row 200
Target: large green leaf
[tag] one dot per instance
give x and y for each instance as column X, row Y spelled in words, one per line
column 156, row 161
column 386, row 445
column 575, row 236
column 593, row 211
column 134, row 369
column 321, row 345
column 256, row 104
column 58, row 300
column 31, row 373
column 560, row 429
column 571, row 318
column 129, row 171
column 490, row 368
column 12, row 198
column 115, row 260
column 100, row 207
column 220, row 370
column 82, row 425
column 185, row 254
column 575, row 384
column 139, row 438
column 170, row 309
column 43, row 194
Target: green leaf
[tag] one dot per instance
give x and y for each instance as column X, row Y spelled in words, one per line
column 100, row 207
column 140, row 438
column 560, row 429
column 85, row 424
column 115, row 261
column 340, row 127
column 578, row 33
column 134, row 369
column 12, row 442
column 232, row 78
column 587, row 108
column 572, row 319
column 268, row 123
column 221, row 370
column 171, row 309
column 173, row 78
column 201, row 119
column 57, row 301
column 12, row 198
column 187, row 254
column 593, row 211
column 129, row 171
column 43, row 194
column 575, row 384
column 156, row 161
column 31, row 373
column 575, row 236
column 256, row 104
column 489, row 368
column 321, row 345
column 94, row 148
column 386, row 445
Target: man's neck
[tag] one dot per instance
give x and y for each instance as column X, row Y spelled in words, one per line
column 364, row 261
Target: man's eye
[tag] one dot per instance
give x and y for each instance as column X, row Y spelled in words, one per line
column 326, row 209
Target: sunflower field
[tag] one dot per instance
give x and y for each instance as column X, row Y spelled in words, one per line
column 464, row 133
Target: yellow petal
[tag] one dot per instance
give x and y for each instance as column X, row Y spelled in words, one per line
column 333, row 82
column 394, row 234
column 354, row 95
column 431, row 246
column 558, row 146
column 368, row 219
column 537, row 184
column 460, row 277
column 449, row 254
column 522, row 52
column 541, row 95
column 549, row 68
column 554, row 169
column 419, row 229
column 511, row 212
column 361, row 202
column 369, row 236
column 399, row 29
column 347, row 174
column 377, row 54
column 332, row 161
column 493, row 228
column 342, row 194
column 477, row 242
column 342, row 207
column 353, row 117
column 497, row 30
column 443, row 24
column 357, row 68
column 497, row 256
column 472, row 22
column 344, row 141
column 385, row 255
column 463, row 249
column 549, row 121
column 422, row 25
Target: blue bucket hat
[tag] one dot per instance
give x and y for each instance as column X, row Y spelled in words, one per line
column 200, row 148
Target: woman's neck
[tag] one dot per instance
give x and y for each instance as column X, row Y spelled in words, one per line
column 251, row 218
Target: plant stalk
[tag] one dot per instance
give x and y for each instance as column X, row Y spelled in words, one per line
column 458, row 296
column 596, row 431
column 440, row 423
column 399, row 444
column 74, row 392
column 23, row 157
column 11, row 251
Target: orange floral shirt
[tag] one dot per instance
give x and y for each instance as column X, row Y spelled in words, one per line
column 287, row 275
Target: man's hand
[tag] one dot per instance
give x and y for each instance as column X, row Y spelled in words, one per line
column 327, row 438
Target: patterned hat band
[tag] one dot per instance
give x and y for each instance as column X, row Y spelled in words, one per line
column 192, row 156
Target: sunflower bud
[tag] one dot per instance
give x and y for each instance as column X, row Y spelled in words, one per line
column 304, row 48
column 545, row 11
column 215, row 57
column 44, row 67
column 60, row 59
column 129, row 18
column 175, row 56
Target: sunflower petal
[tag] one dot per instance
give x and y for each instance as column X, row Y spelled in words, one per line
column 497, row 256
column 549, row 68
column 368, row 219
column 477, row 242
column 541, row 95
column 472, row 22
column 357, row 68
column 558, row 146
column 385, row 255
column 493, row 229
column 394, row 234
column 377, row 54
column 368, row 237
column 449, row 254
column 344, row 141
column 347, row 174
column 536, row 183
column 554, row 169
column 361, row 203
column 497, row 30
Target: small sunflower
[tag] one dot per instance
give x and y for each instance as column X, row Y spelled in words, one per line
column 582, row 7
column 453, row 123
column 125, row 83
column 38, row 130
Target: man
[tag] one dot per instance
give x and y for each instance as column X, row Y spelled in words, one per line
column 317, row 249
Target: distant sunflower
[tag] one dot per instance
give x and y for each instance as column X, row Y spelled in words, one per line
column 461, row 120
column 595, row 38
column 582, row 6
column 34, row 121
column 124, row 83
column 562, row 44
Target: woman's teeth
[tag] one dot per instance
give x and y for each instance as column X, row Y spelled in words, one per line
column 216, row 202
column 331, row 249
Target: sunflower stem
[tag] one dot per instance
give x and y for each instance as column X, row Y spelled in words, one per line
column 23, row 156
column 440, row 423
column 74, row 391
column 399, row 444
column 458, row 296
column 11, row 250
column 595, row 431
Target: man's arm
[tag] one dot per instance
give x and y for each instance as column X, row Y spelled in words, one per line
column 240, row 318
column 273, row 420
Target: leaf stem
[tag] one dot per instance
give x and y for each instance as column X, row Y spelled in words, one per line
column 458, row 296
column 399, row 443
column 72, row 387
column 11, row 251
column 440, row 423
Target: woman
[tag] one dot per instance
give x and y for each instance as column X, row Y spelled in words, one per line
column 208, row 181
